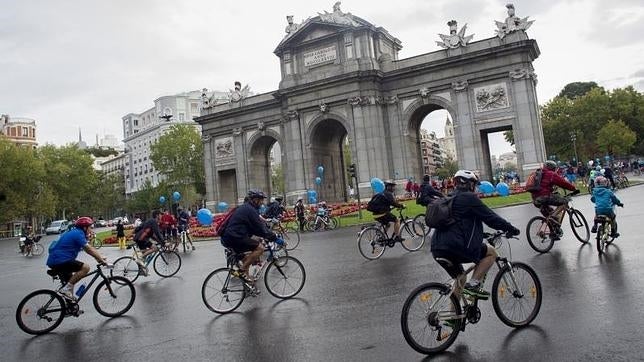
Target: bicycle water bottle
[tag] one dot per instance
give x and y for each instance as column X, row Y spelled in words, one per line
column 80, row 290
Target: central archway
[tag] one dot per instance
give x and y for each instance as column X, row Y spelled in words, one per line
column 260, row 163
column 327, row 138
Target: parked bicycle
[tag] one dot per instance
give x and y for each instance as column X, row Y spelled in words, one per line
column 323, row 222
column 224, row 290
column 374, row 239
column 42, row 311
column 542, row 232
column 290, row 234
column 30, row 247
column 435, row 313
column 166, row 263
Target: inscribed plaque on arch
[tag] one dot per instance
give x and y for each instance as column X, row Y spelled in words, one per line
column 320, row 56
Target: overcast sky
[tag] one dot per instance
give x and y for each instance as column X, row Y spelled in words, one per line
column 85, row 64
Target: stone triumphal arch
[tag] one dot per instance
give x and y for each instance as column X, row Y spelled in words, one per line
column 344, row 89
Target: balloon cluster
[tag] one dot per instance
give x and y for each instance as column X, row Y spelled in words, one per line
column 176, row 196
column 312, row 195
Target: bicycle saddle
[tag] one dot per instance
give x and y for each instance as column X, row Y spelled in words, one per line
column 453, row 269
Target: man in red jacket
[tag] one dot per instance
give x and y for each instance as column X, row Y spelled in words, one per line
column 545, row 199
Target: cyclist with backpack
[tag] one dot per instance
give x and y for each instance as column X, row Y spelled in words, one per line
column 381, row 204
column 427, row 192
column 244, row 223
column 544, row 198
column 143, row 233
column 462, row 240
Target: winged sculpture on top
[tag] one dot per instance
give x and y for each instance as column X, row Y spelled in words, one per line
column 239, row 93
column 512, row 23
column 454, row 39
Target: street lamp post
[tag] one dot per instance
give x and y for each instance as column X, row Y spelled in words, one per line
column 573, row 138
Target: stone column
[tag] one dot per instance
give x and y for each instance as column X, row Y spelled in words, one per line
column 468, row 144
column 209, row 167
column 294, row 169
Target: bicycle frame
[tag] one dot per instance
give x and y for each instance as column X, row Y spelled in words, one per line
column 98, row 272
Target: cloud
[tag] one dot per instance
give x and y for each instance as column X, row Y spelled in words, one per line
column 638, row 74
column 617, row 24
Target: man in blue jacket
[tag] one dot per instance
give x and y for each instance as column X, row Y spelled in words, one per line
column 462, row 241
column 245, row 223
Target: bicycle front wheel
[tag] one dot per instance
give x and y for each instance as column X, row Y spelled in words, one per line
column 334, row 223
column 420, row 220
column 114, row 296
column 413, row 235
column 97, row 243
column 579, row 226
column 539, row 234
column 222, row 292
column 126, row 267
column 429, row 318
column 284, row 277
column 601, row 239
column 371, row 243
column 37, row 249
column 40, row 312
column 292, row 237
column 516, row 295
column 167, row 263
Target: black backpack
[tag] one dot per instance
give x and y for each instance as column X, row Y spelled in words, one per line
column 378, row 204
column 439, row 213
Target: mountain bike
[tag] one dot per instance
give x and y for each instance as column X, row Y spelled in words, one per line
column 290, row 234
column 374, row 239
column 42, row 311
column 166, row 263
column 435, row 313
column 224, row 289
column 32, row 248
column 542, row 232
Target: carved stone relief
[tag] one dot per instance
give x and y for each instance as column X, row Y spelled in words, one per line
column 391, row 99
column 224, row 147
column 491, row 97
column 523, row 73
column 424, row 92
column 360, row 101
column 460, row 85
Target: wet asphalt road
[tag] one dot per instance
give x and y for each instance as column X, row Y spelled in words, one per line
column 349, row 309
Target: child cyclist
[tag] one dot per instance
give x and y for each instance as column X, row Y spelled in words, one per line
column 605, row 201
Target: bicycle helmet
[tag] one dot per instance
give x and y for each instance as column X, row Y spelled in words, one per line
column 279, row 198
column 465, row 176
column 426, row 178
column 84, row 222
column 256, row 194
column 550, row 165
column 601, row 181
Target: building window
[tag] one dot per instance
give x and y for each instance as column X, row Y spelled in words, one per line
column 182, row 117
column 136, row 122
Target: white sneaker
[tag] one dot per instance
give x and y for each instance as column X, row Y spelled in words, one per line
column 67, row 292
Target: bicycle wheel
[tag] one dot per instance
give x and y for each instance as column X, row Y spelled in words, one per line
column 516, row 295
column 114, row 296
column 413, row 235
column 539, row 235
column 292, row 237
column 601, row 238
column 284, row 277
column 222, row 292
column 579, row 226
column 420, row 220
column 371, row 243
column 167, row 263
column 37, row 249
column 426, row 318
column 97, row 243
column 333, row 223
column 40, row 312
column 312, row 225
column 126, row 267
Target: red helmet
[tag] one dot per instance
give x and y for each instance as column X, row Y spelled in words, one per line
column 84, row 221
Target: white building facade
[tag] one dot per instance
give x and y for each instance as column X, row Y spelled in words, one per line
column 447, row 143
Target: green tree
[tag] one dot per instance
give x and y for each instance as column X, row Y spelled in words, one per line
column 615, row 138
column 509, row 137
column 448, row 169
column 577, row 89
column 178, row 155
column 277, row 179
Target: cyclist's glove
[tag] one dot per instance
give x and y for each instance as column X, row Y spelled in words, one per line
column 512, row 231
column 279, row 241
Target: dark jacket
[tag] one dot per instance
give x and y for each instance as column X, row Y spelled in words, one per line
column 465, row 236
column 427, row 193
column 244, row 223
column 149, row 229
column 549, row 180
column 274, row 210
column 390, row 199
column 120, row 230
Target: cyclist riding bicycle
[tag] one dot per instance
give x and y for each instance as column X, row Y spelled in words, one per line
column 275, row 209
column 605, row 201
column 30, row 238
column 546, row 199
column 184, row 224
column 143, row 233
column 385, row 216
column 244, row 223
column 168, row 225
column 427, row 192
column 462, row 242
column 63, row 253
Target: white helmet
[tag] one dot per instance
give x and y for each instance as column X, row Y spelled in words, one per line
column 463, row 176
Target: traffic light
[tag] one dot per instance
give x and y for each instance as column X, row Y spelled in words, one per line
column 352, row 170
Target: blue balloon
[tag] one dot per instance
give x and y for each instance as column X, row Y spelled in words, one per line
column 162, row 199
column 176, row 196
column 320, row 170
column 377, row 185
column 204, row 216
column 486, row 187
column 318, row 181
column 313, row 200
column 222, row 206
column 503, row 189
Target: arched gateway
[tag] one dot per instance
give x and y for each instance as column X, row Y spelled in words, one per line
column 344, row 89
